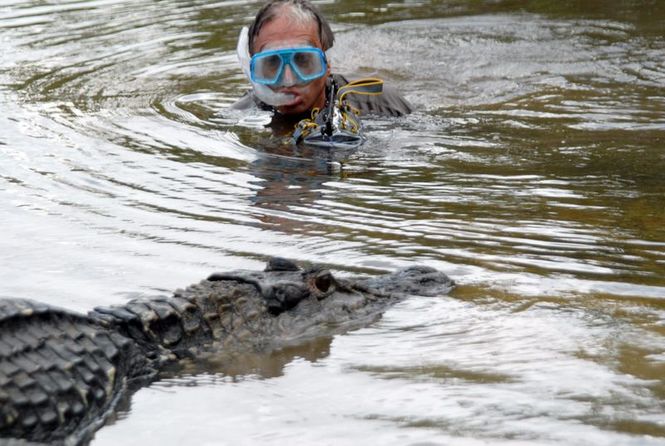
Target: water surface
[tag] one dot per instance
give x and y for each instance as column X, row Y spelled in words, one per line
column 532, row 173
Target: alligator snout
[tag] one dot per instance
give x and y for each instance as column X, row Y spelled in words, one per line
column 418, row 280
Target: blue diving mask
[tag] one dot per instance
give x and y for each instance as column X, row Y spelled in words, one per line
column 306, row 64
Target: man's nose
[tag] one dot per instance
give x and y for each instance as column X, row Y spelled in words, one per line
column 289, row 78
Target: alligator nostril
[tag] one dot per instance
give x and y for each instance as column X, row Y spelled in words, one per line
column 323, row 282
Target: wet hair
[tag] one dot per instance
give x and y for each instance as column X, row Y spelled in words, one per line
column 300, row 10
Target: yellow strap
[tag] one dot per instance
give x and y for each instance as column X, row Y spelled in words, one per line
column 367, row 86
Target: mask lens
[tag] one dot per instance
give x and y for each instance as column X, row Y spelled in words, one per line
column 267, row 68
column 309, row 64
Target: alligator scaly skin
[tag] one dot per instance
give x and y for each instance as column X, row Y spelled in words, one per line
column 62, row 373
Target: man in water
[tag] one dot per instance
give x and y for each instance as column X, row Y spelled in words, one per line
column 289, row 69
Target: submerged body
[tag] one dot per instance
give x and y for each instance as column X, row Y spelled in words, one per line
column 62, row 373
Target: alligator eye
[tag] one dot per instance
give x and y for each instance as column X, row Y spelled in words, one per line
column 323, row 282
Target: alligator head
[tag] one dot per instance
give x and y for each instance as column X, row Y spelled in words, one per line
column 305, row 303
column 283, row 284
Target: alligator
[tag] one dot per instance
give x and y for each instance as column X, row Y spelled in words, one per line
column 62, row 374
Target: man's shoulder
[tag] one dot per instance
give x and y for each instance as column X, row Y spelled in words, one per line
column 389, row 103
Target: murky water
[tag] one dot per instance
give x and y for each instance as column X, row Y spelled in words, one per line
column 533, row 173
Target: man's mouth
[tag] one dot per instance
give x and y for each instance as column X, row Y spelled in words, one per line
column 295, row 98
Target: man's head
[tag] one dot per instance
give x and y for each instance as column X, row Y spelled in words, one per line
column 286, row 24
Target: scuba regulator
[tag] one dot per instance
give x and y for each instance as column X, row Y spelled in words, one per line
column 337, row 125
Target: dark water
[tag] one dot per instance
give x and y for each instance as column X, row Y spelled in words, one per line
column 533, row 173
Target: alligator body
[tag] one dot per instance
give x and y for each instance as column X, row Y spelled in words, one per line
column 62, row 373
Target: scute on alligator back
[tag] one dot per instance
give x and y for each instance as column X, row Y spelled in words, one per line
column 58, row 370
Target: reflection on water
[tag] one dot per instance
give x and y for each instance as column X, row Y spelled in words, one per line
column 532, row 173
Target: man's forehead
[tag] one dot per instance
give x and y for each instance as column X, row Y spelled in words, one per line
column 283, row 32
column 289, row 43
